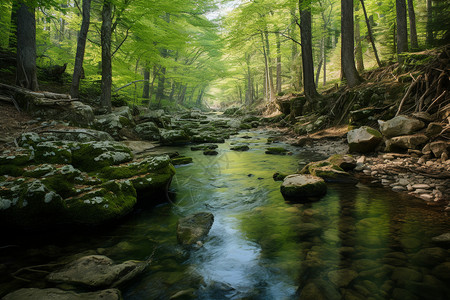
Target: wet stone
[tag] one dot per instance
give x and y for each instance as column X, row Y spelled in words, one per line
column 52, row 293
column 342, row 277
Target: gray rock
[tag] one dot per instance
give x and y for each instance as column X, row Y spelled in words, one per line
column 57, row 294
column 174, row 137
column 148, row 131
column 363, row 140
column 433, row 129
column 342, row 277
column 439, row 147
column 404, row 142
column 194, row 228
column 400, row 125
column 430, row 257
column 442, row 271
column 406, row 274
column 442, row 239
column 302, row 187
column 111, row 123
column 97, row 271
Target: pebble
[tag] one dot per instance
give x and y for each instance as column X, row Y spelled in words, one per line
column 421, row 191
column 398, row 188
column 421, row 186
column 367, row 172
column 361, row 159
column 427, row 197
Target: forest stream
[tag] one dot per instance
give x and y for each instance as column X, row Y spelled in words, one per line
column 357, row 240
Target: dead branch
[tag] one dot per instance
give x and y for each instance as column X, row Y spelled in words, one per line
column 413, row 84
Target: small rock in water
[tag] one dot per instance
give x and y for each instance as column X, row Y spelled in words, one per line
column 210, row 152
column 443, row 238
column 194, row 228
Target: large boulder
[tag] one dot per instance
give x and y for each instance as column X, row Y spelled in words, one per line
column 148, row 131
column 97, row 271
column 401, row 143
column 57, row 294
column 303, row 187
column 173, row 137
column 194, row 228
column 37, row 194
column 400, row 125
column 364, row 139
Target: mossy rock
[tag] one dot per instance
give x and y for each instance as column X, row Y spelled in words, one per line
column 181, row 160
column 245, row 126
column 97, row 205
column 345, row 161
column 210, row 152
column 16, row 157
column 276, row 150
column 303, row 187
column 29, row 139
column 240, row 148
column 96, row 155
column 152, row 164
column 11, row 170
column 29, row 204
column 279, row 176
column 204, row 147
column 53, row 152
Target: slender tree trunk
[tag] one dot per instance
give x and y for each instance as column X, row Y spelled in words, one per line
column 319, row 68
column 348, row 68
column 402, row 28
column 26, row 47
column 182, row 95
column 249, row 91
column 200, row 97
column 161, row 84
column 278, row 62
column 307, row 55
column 270, row 72
column 430, row 37
column 358, row 50
column 81, row 46
column 266, row 70
column 369, row 30
column 412, row 25
column 324, row 59
column 105, row 98
column 12, row 43
column 146, row 89
column 295, row 70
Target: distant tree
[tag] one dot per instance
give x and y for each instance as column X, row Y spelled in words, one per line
column 430, row 37
column 26, row 47
column 306, row 44
column 81, row 46
column 412, row 25
column 402, row 28
column 105, row 98
column 349, row 71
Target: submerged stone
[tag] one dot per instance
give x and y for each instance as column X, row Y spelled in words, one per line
column 97, row 271
column 181, row 160
column 276, row 150
column 194, row 228
column 240, row 148
column 303, row 187
column 52, row 293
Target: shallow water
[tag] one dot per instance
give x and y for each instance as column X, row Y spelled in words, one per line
column 357, row 242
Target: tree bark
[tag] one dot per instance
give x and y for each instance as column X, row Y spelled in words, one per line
column 430, row 37
column 105, row 99
column 402, row 28
column 26, row 47
column 307, row 55
column 146, row 89
column 249, row 91
column 412, row 25
column 369, row 30
column 278, row 62
column 348, row 68
column 12, row 42
column 270, row 72
column 358, row 49
column 81, row 46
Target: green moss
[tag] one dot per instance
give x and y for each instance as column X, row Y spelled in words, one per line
column 279, row 176
column 240, row 148
column 276, row 150
column 124, row 121
column 97, row 155
column 181, row 160
column 11, row 170
column 374, row 132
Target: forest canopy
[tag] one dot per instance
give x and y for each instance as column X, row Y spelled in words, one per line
column 208, row 52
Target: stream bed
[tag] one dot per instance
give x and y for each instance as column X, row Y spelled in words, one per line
column 358, row 242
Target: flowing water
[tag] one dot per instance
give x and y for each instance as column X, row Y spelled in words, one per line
column 357, row 242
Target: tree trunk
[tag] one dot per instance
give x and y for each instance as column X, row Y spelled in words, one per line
column 81, row 46
column 430, row 37
column 266, row 69
column 270, row 72
column 295, row 64
column 249, row 91
column 182, row 95
column 349, row 71
column 161, row 85
column 278, row 63
column 26, row 47
column 12, row 43
column 358, row 49
column 307, row 55
column 319, row 68
column 146, row 89
column 200, row 97
column 105, row 99
column 412, row 25
column 402, row 28
column 369, row 30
